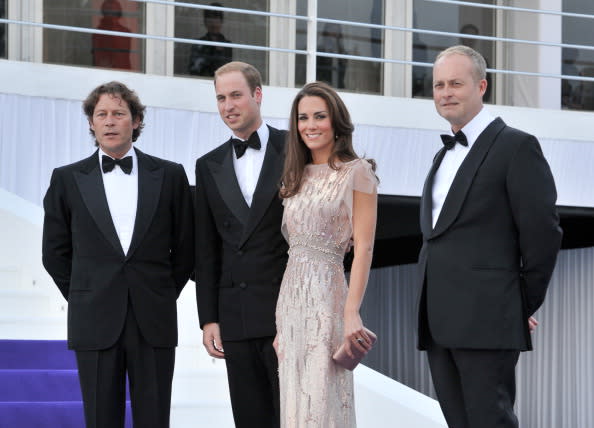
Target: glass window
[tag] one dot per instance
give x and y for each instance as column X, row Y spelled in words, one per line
column 218, row 26
column 3, row 30
column 455, row 19
column 577, row 94
column 300, row 43
column 99, row 50
column 346, row 74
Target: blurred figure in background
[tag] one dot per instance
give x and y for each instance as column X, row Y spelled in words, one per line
column 332, row 70
column 204, row 60
column 112, row 51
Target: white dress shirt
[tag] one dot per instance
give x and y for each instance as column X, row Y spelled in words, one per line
column 248, row 167
column 121, row 190
column 445, row 174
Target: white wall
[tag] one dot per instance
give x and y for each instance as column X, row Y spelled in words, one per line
column 401, row 134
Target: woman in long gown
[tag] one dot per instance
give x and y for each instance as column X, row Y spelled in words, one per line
column 330, row 197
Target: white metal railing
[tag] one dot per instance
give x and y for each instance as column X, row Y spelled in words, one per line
column 223, row 9
column 512, row 8
column 311, row 52
column 147, row 36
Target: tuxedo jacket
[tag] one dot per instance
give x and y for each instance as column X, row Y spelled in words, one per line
column 240, row 252
column 486, row 265
column 83, row 254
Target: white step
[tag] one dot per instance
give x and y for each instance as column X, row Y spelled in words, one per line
column 187, row 314
column 187, row 414
column 189, row 330
column 25, row 303
column 195, row 357
column 33, row 328
column 200, row 385
column 10, row 277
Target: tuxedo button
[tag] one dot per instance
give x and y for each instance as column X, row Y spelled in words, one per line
column 240, row 253
column 243, row 285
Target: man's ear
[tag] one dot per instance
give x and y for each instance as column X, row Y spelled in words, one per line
column 258, row 94
column 483, row 86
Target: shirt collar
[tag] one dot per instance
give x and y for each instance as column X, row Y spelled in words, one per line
column 130, row 152
column 477, row 125
column 263, row 134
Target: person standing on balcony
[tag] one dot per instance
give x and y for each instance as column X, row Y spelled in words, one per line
column 332, row 70
column 112, row 51
column 240, row 252
column 118, row 241
column 490, row 241
column 205, row 59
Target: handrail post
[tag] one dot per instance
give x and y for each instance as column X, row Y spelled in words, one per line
column 312, row 40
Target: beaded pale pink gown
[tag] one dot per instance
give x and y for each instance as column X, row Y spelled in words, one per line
column 317, row 222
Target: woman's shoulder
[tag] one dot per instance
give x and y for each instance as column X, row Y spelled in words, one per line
column 363, row 173
column 361, row 164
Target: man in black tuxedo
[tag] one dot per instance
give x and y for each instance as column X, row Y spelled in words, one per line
column 240, row 252
column 490, row 240
column 118, row 240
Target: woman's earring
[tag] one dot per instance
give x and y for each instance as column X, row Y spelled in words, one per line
column 335, row 137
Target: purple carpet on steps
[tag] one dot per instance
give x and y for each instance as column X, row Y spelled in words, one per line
column 39, row 386
column 36, row 354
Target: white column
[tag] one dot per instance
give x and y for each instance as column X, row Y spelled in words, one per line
column 549, row 61
column 528, row 91
column 160, row 21
column 312, row 40
column 398, row 45
column 502, row 60
column 281, row 66
column 25, row 43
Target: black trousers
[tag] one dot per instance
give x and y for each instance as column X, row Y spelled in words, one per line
column 102, row 377
column 476, row 388
column 252, row 372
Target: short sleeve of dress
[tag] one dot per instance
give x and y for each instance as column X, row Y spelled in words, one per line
column 364, row 179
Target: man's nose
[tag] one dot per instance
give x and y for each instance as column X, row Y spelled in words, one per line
column 448, row 90
column 228, row 105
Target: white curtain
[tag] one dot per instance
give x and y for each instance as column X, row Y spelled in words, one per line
column 38, row 134
column 555, row 382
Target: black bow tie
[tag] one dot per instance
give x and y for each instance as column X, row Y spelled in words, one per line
column 449, row 141
column 108, row 164
column 241, row 146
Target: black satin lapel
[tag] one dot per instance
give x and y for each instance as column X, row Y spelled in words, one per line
column 150, row 183
column 426, row 217
column 266, row 189
column 225, row 178
column 92, row 192
column 465, row 176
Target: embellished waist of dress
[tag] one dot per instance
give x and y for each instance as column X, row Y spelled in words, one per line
column 320, row 245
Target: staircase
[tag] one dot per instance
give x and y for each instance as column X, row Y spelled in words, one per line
column 38, row 381
column 39, row 385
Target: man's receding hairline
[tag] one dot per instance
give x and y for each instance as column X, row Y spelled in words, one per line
column 473, row 70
